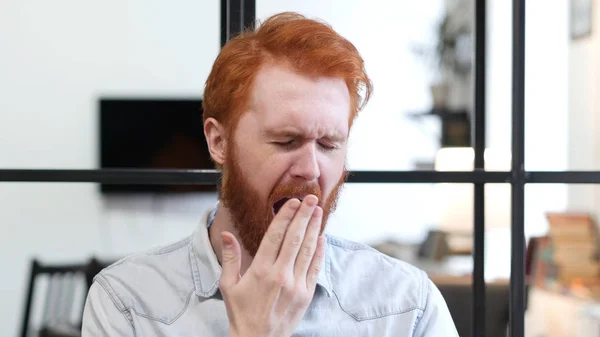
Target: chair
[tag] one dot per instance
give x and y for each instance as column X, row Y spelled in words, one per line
column 63, row 297
column 459, row 298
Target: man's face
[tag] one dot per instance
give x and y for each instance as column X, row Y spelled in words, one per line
column 291, row 142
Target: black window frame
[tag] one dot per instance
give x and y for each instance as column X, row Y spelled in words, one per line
column 236, row 14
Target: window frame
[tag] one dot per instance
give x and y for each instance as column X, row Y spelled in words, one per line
column 236, row 14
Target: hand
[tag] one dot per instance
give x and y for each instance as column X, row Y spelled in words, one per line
column 272, row 296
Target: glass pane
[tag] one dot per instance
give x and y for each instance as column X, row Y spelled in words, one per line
column 59, row 59
column 562, row 267
column 581, row 126
column 65, row 224
column 561, row 129
column 392, row 122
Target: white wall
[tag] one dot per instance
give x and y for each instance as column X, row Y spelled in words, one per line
column 58, row 57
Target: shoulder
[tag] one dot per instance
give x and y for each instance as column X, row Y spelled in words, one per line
column 370, row 284
column 156, row 284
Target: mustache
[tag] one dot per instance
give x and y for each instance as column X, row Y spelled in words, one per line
column 295, row 190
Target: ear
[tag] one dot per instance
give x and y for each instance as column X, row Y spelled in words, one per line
column 216, row 140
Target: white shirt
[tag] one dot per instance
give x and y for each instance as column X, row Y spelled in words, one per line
column 173, row 291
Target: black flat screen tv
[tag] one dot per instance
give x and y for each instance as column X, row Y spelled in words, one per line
column 152, row 133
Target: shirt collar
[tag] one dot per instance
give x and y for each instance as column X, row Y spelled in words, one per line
column 206, row 269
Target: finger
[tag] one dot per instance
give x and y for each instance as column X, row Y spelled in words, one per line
column 231, row 260
column 271, row 242
column 316, row 265
column 307, row 250
column 295, row 234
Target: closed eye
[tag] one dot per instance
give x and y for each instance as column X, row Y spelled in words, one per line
column 327, row 146
column 288, row 143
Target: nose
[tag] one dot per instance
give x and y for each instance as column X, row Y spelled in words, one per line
column 306, row 166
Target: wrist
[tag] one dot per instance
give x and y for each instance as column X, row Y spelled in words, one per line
column 234, row 333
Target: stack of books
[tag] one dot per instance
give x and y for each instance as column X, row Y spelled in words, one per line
column 574, row 248
column 568, row 257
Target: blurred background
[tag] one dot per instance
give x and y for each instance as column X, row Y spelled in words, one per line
column 89, row 85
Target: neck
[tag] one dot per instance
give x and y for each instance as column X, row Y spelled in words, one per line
column 224, row 222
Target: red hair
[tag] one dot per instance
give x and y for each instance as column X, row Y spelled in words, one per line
column 310, row 47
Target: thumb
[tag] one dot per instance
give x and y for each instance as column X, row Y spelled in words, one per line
column 231, row 260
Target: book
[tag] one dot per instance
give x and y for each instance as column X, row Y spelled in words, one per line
column 572, row 248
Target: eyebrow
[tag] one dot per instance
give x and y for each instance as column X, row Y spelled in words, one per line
column 293, row 133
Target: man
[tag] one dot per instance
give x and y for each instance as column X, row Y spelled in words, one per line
column 278, row 107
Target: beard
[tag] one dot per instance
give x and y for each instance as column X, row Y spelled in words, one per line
column 251, row 215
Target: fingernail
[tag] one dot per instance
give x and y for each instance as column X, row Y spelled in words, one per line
column 294, row 204
column 226, row 241
column 311, row 200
